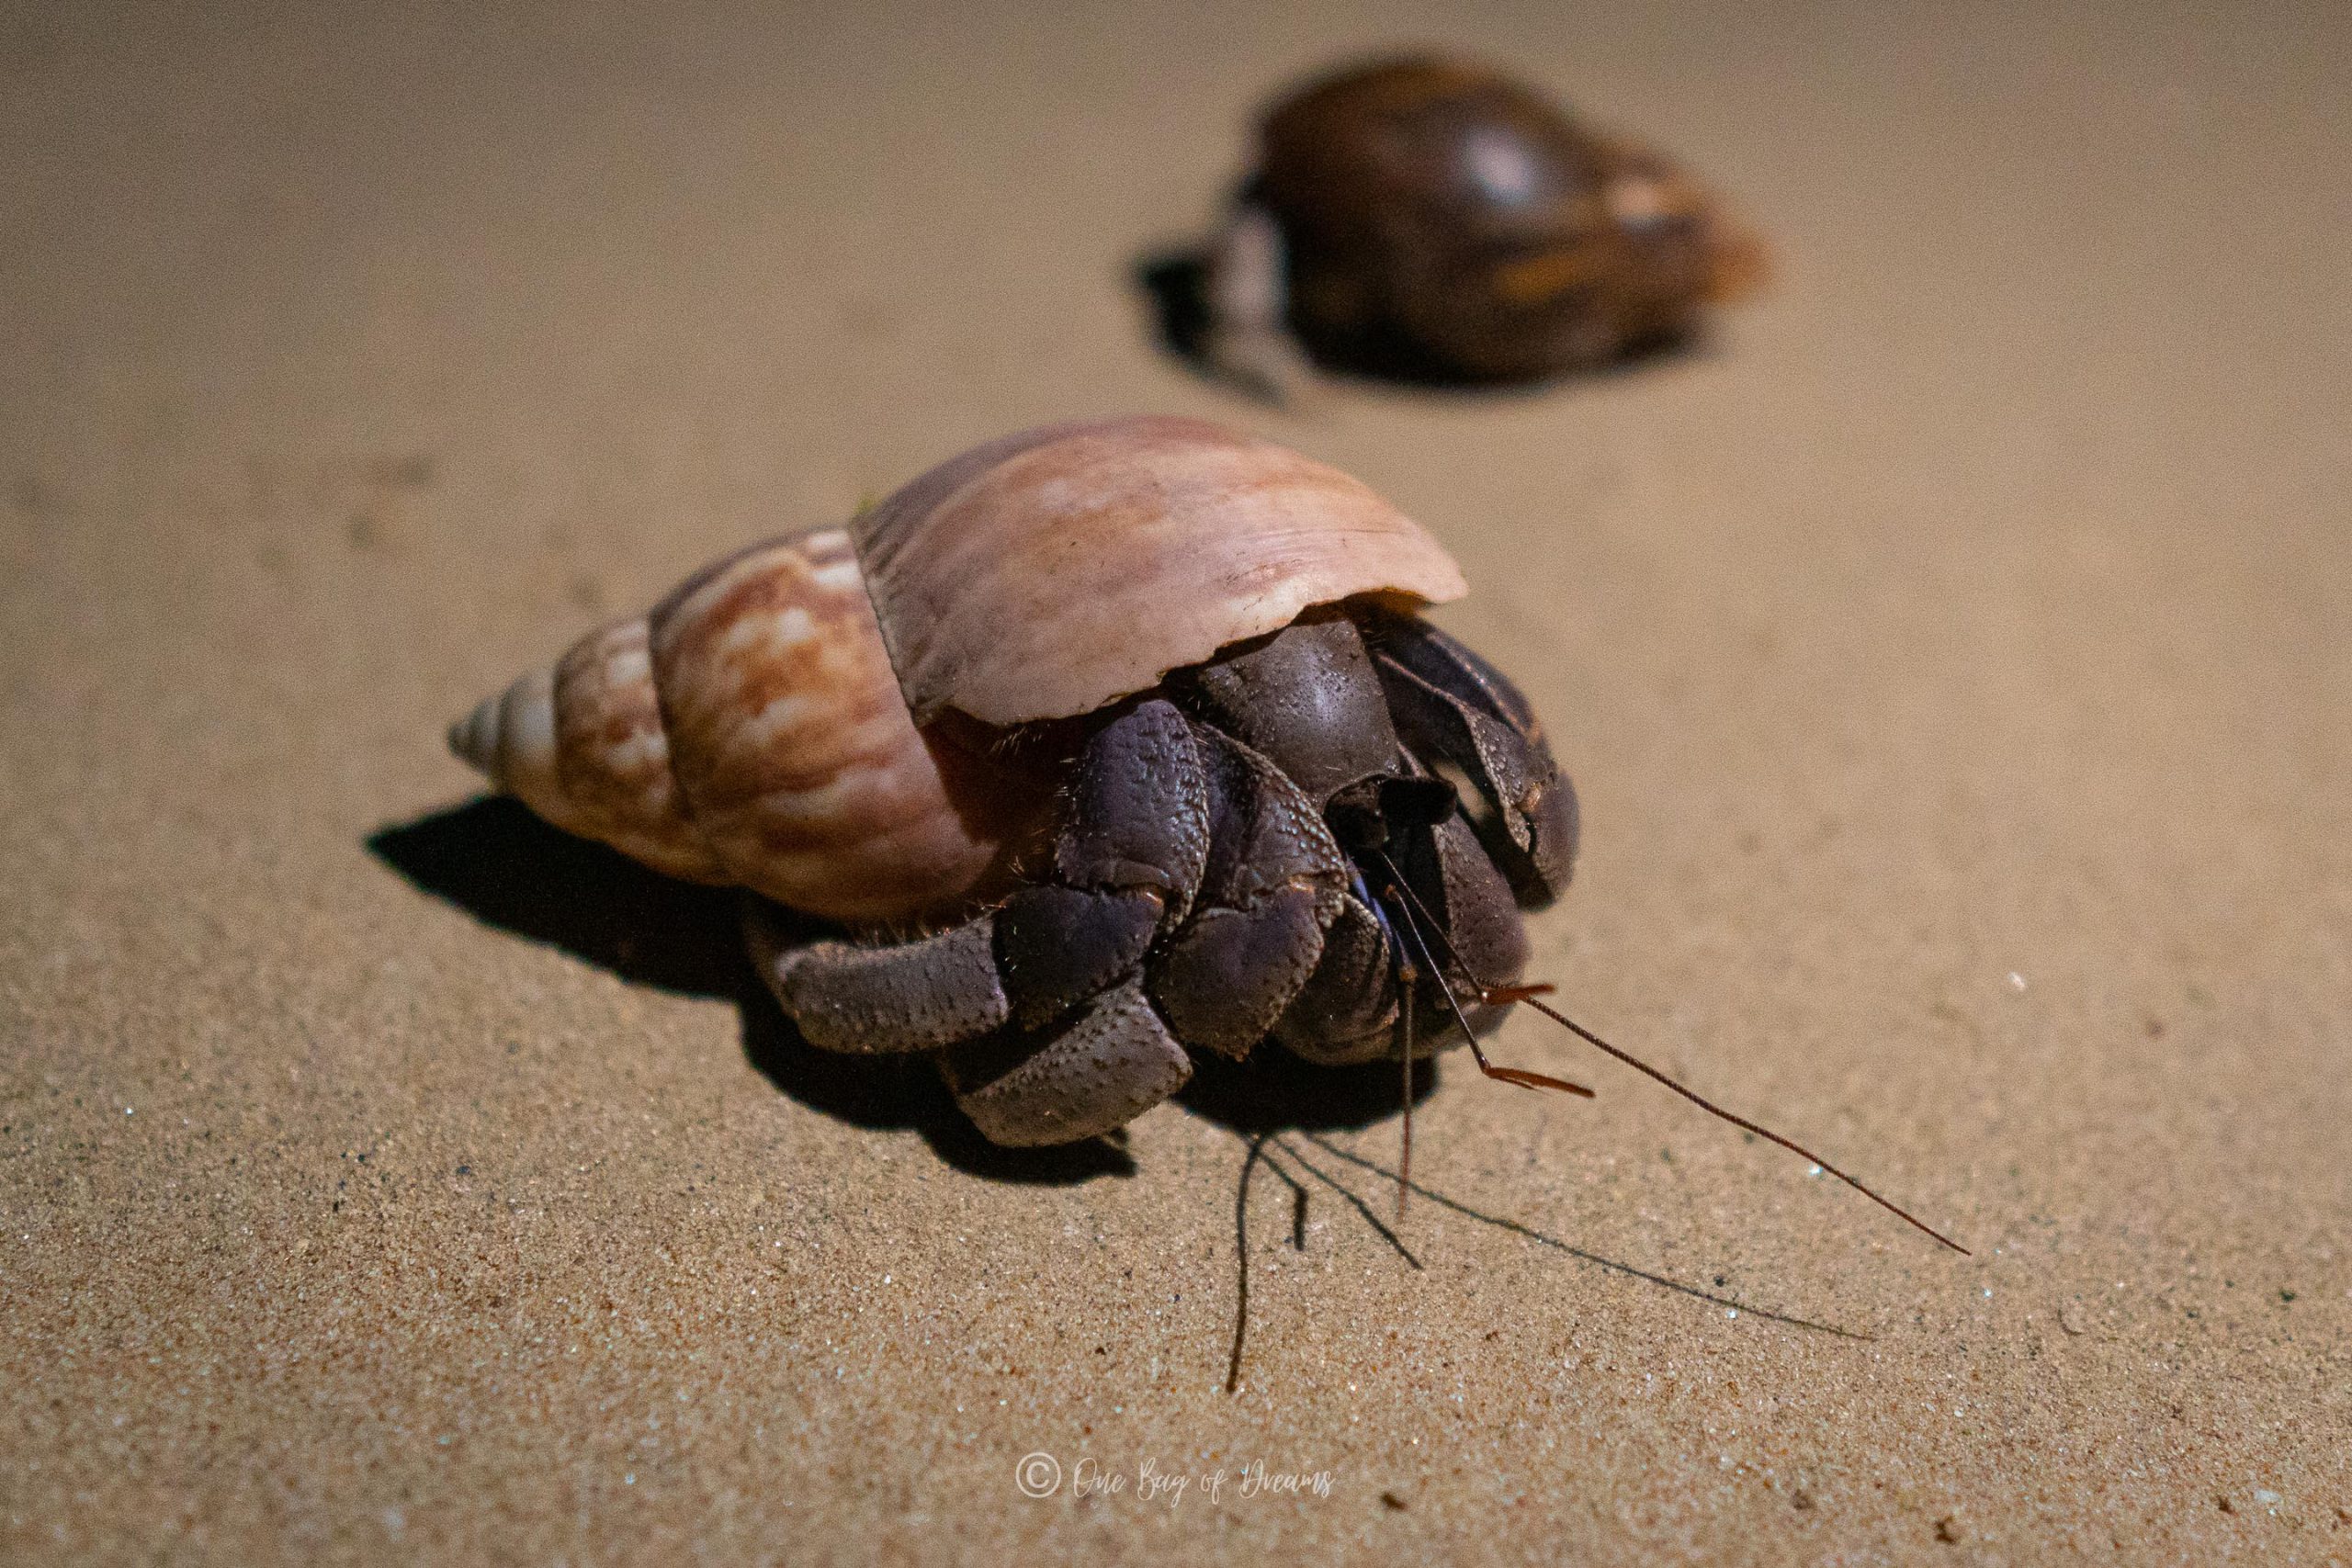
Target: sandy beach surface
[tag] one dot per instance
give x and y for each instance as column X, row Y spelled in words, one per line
column 1954, row 657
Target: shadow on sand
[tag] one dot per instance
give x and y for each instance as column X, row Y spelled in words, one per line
column 1174, row 282
column 493, row 858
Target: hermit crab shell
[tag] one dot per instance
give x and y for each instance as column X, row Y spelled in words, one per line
column 1046, row 573
column 1438, row 219
column 749, row 730
column 775, row 722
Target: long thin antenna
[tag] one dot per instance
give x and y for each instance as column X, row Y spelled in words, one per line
column 1297, row 1238
column 1409, row 979
column 1503, row 996
column 1499, row 995
column 1406, row 980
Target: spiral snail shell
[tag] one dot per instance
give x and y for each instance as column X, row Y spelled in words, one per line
column 781, row 720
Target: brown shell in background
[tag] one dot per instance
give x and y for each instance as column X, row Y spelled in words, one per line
column 1443, row 219
column 1050, row 573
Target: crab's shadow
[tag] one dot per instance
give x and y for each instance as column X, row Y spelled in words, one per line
column 1173, row 282
column 493, row 858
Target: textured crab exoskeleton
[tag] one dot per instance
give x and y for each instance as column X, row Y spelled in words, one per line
column 1133, row 720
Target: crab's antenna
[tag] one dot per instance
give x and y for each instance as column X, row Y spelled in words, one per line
column 1241, row 1251
column 1397, row 889
column 1406, row 980
column 1503, row 996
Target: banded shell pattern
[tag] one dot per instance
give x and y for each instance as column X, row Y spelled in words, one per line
column 775, row 721
column 749, row 730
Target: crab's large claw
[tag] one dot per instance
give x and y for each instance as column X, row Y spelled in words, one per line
column 1456, row 710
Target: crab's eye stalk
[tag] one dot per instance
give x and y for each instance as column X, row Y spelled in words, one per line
column 1367, row 816
column 1418, row 803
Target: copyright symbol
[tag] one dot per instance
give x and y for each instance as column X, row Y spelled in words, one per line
column 1038, row 1476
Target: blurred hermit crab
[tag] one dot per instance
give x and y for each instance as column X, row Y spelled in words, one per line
column 1436, row 221
column 1106, row 743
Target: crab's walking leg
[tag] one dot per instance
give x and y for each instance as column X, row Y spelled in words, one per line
column 1130, row 855
column 1248, row 935
column 1040, row 999
column 916, row 996
column 1133, row 849
column 1190, row 888
column 1275, row 881
column 1347, row 1011
column 1101, row 1069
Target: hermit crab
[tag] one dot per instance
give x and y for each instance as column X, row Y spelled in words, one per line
column 1103, row 744
column 1437, row 220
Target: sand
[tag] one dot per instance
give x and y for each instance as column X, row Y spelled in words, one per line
column 1953, row 657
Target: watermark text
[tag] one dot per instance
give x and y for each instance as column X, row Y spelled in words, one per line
column 1153, row 1483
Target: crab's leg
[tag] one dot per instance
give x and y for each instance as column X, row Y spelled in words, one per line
column 1275, row 882
column 1129, row 860
column 1473, row 901
column 1130, row 856
column 1247, row 933
column 1111, row 1063
column 914, row 996
column 1347, row 1010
